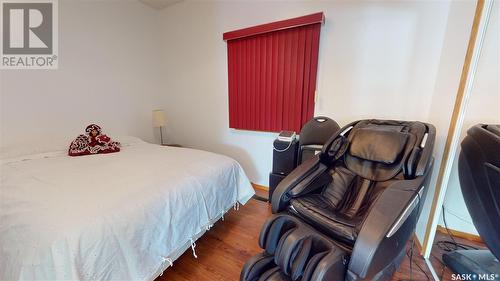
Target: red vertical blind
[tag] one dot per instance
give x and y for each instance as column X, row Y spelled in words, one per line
column 272, row 74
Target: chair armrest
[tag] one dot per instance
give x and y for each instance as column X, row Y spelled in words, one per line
column 388, row 226
column 299, row 182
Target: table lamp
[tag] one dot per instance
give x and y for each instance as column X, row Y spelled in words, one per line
column 159, row 120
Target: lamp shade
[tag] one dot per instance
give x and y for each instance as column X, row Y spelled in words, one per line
column 159, row 119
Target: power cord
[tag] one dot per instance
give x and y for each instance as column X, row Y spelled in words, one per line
column 421, row 269
column 448, row 246
column 283, row 150
column 452, row 245
column 409, row 253
column 411, row 258
column 443, row 266
column 447, row 229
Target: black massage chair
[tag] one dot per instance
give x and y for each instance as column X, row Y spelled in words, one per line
column 348, row 213
column 479, row 173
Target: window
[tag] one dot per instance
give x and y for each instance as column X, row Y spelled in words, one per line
column 272, row 74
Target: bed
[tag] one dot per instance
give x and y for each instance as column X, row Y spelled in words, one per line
column 119, row 216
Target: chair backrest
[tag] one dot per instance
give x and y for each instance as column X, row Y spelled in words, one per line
column 378, row 150
column 367, row 157
column 479, row 173
column 317, row 131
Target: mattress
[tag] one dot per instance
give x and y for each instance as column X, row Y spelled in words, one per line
column 120, row 216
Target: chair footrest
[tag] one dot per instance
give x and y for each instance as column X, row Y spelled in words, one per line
column 295, row 251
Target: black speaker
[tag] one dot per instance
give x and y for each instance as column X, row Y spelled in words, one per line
column 284, row 156
column 274, row 180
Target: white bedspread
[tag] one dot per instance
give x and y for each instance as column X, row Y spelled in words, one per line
column 120, row 216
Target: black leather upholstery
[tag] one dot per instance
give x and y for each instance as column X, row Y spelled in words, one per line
column 317, row 131
column 390, row 143
column 340, row 209
column 378, row 144
column 294, row 251
column 363, row 190
column 314, row 134
column 479, row 171
column 316, row 210
column 375, row 155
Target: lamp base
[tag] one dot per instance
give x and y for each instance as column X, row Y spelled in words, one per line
column 161, row 135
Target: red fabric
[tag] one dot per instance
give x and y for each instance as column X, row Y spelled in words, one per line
column 93, row 142
column 272, row 79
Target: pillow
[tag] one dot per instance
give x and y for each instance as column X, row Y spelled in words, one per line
column 378, row 144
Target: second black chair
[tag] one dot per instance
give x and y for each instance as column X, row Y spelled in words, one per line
column 313, row 135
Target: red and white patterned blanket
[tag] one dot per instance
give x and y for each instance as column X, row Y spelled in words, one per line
column 93, row 142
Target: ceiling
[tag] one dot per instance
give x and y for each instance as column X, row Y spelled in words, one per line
column 159, row 4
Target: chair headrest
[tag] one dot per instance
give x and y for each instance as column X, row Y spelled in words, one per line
column 380, row 149
column 495, row 129
column 378, row 144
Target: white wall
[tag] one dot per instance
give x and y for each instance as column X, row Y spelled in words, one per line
column 377, row 59
column 483, row 107
column 453, row 52
column 398, row 60
column 384, row 59
column 109, row 73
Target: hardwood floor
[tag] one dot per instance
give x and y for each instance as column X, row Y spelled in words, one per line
column 224, row 249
